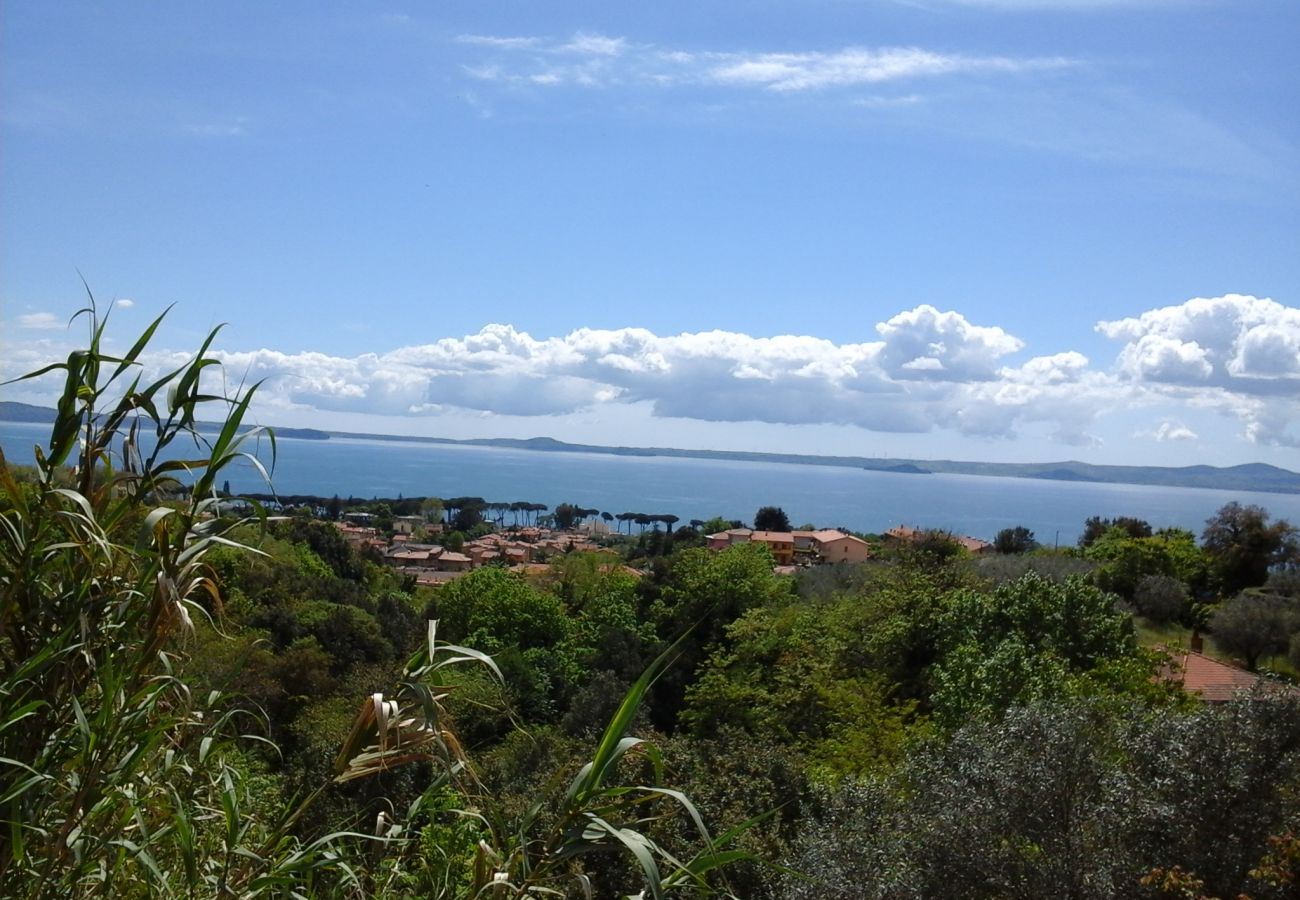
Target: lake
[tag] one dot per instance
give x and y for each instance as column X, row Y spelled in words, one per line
column 700, row 489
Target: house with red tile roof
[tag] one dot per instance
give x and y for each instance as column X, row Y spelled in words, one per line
column 1216, row 681
column 781, row 543
column 908, row 534
column 454, row 562
column 834, row 546
column 724, row 539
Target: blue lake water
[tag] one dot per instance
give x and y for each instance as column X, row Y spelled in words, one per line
column 699, row 489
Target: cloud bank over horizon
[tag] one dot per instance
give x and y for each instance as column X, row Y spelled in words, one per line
column 926, row 371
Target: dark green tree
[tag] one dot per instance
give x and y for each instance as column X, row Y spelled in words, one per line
column 705, row 592
column 1015, row 540
column 566, row 516
column 771, row 518
column 1243, row 545
column 1096, row 526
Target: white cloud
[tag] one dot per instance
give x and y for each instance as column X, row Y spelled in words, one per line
column 499, row 43
column 927, row 370
column 930, row 370
column 1238, row 354
column 1170, row 431
column 926, row 343
column 594, row 44
column 40, row 320
column 855, row 65
column 1247, row 344
column 606, row 60
column 1268, row 351
column 124, row 303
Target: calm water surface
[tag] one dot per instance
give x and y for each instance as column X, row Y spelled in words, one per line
column 699, row 488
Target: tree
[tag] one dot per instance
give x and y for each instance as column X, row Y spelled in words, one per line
column 704, row 594
column 771, row 518
column 467, row 518
column 937, row 545
column 1243, row 545
column 1253, row 625
column 566, row 516
column 1124, row 560
column 1029, row 639
column 1161, row 598
column 1015, row 540
column 1096, row 526
column 535, row 508
column 1065, row 799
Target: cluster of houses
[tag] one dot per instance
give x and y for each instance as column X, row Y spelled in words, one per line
column 905, row 534
column 807, row 548
column 792, row 548
column 527, row 548
column 522, row 550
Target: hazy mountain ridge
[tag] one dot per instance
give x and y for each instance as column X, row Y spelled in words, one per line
column 1244, row 477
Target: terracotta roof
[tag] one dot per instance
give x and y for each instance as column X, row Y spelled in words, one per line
column 773, row 537
column 1211, row 679
column 827, row 535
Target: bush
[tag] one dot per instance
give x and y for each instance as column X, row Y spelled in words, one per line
column 1162, row 598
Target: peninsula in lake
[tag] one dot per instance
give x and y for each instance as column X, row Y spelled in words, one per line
column 1247, row 477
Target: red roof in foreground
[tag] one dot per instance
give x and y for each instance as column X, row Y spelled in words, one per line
column 1211, row 679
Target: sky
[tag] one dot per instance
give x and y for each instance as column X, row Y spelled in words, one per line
column 1014, row 230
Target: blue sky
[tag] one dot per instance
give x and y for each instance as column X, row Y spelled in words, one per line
column 990, row 229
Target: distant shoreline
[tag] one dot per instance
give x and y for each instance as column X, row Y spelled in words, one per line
column 1257, row 477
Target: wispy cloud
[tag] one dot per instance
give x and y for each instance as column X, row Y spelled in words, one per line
column 40, row 321
column 594, row 44
column 855, row 66
column 235, row 126
column 499, row 43
column 555, row 62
